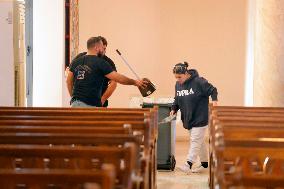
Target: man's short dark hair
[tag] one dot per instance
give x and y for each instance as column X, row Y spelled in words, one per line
column 93, row 41
column 103, row 40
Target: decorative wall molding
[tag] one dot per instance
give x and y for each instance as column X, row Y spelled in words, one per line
column 74, row 28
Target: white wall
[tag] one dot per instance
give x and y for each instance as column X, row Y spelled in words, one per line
column 6, row 54
column 48, row 54
column 251, row 13
column 155, row 35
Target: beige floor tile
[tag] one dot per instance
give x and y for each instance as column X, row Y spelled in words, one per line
column 179, row 180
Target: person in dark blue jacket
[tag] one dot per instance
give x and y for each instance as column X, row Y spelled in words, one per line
column 192, row 99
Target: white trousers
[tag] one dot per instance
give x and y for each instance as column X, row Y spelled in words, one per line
column 197, row 146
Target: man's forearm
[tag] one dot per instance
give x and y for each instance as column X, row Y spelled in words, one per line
column 126, row 81
column 121, row 78
column 70, row 88
column 110, row 89
column 69, row 82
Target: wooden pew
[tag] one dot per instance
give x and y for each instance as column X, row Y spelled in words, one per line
column 246, row 108
column 42, row 178
column 72, row 158
column 258, row 165
column 240, row 163
column 67, row 108
column 83, row 139
column 95, row 113
column 70, row 129
column 99, row 113
column 82, row 111
column 71, row 139
column 250, row 132
column 51, row 119
column 76, row 114
column 225, row 123
column 30, row 116
column 248, row 122
column 66, row 125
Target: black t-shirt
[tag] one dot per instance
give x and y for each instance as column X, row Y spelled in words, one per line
column 111, row 63
column 106, row 81
column 89, row 75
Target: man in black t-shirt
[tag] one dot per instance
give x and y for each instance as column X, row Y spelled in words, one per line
column 108, row 85
column 87, row 74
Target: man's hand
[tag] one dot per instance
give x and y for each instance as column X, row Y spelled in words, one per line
column 110, row 89
column 67, row 70
column 141, row 83
column 103, row 101
column 172, row 113
column 214, row 103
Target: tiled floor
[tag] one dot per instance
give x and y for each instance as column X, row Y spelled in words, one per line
column 178, row 179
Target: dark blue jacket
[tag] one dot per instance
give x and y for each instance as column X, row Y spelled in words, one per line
column 192, row 99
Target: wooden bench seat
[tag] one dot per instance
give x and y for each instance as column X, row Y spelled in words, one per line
column 73, row 157
column 142, row 126
column 82, row 139
column 36, row 120
column 70, row 129
column 59, row 179
column 246, row 108
column 237, row 135
column 252, row 166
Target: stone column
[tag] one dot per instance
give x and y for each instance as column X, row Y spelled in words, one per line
column 269, row 53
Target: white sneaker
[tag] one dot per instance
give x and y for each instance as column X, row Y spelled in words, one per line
column 184, row 168
column 198, row 169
